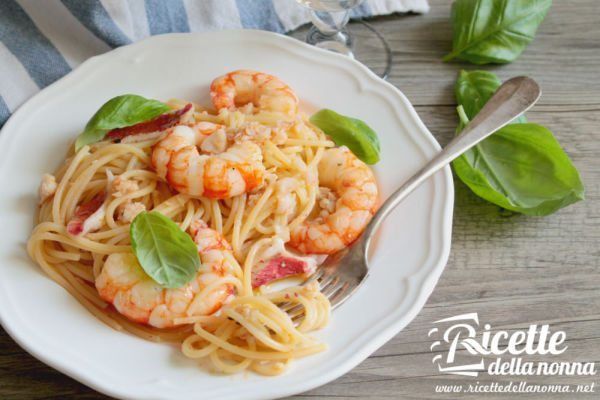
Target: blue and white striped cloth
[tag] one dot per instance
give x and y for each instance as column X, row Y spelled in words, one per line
column 41, row 41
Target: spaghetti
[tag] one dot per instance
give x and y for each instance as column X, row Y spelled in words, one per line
column 250, row 331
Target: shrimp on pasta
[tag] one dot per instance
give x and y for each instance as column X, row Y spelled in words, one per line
column 237, row 170
column 348, row 201
column 248, row 195
column 134, row 294
column 265, row 92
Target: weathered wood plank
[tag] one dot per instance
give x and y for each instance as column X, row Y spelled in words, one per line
column 564, row 56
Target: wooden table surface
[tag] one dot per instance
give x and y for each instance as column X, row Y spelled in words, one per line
column 512, row 270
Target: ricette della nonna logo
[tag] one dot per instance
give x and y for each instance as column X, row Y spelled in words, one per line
column 475, row 348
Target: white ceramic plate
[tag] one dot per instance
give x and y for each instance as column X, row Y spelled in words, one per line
column 411, row 253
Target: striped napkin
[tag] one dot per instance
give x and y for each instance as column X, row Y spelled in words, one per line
column 41, row 41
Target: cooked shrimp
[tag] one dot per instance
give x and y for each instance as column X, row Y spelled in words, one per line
column 353, row 183
column 123, row 283
column 129, row 210
column 237, row 170
column 212, row 137
column 266, row 92
column 122, row 187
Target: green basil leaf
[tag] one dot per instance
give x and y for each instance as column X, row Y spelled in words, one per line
column 488, row 31
column 119, row 112
column 521, row 168
column 350, row 132
column 165, row 252
column 473, row 89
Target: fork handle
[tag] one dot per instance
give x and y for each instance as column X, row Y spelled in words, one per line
column 512, row 99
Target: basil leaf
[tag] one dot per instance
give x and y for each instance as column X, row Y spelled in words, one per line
column 473, row 89
column 487, row 31
column 165, row 252
column 521, row 167
column 119, row 112
column 350, row 132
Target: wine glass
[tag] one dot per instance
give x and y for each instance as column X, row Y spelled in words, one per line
column 329, row 31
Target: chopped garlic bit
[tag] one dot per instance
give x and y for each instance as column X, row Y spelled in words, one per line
column 47, row 187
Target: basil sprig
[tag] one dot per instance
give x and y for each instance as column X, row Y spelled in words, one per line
column 521, row 167
column 350, row 132
column 119, row 112
column 165, row 252
column 488, row 31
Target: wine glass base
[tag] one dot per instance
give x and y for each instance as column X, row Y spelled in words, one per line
column 339, row 42
column 358, row 40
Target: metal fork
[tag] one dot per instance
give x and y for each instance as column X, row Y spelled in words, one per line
column 343, row 272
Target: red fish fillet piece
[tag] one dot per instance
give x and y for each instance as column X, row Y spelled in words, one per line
column 279, row 267
column 83, row 212
column 159, row 123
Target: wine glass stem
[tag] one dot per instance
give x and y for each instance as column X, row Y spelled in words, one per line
column 328, row 31
column 329, row 23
